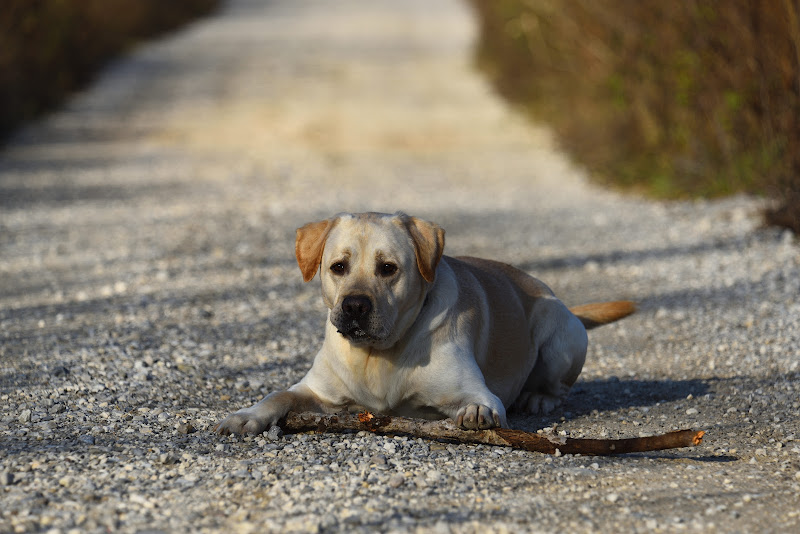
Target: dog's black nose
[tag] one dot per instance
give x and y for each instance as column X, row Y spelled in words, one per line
column 356, row 307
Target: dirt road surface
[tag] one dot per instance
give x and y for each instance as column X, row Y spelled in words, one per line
column 148, row 288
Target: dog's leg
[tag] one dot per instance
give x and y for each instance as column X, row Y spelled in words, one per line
column 267, row 412
column 559, row 362
column 462, row 393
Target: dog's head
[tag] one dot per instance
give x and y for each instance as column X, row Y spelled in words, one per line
column 375, row 271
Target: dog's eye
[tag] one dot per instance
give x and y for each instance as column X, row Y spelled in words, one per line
column 387, row 269
column 339, row 267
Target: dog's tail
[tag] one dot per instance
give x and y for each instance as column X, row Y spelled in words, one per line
column 600, row 313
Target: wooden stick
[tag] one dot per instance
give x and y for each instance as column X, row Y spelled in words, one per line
column 504, row 437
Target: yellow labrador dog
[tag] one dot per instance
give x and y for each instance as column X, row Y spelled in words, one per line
column 414, row 333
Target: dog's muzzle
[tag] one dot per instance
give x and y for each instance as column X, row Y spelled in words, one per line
column 353, row 318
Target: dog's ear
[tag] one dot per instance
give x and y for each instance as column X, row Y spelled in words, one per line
column 309, row 246
column 428, row 241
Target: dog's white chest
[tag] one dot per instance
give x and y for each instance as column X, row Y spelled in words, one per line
column 376, row 383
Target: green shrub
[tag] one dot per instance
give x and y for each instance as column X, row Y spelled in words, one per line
column 50, row 47
column 677, row 99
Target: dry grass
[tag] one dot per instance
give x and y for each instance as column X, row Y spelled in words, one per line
column 694, row 98
column 50, row 47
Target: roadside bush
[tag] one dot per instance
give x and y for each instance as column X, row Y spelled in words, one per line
column 693, row 98
column 50, row 47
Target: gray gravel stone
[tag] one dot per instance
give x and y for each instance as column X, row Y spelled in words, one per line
column 147, row 281
column 274, row 433
column 185, row 428
column 6, row 478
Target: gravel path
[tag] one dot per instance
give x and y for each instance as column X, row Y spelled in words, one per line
column 148, row 288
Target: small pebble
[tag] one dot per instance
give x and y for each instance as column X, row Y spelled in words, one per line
column 186, row 428
column 274, row 433
column 168, row 459
column 397, row 480
column 7, row 478
column 433, row 476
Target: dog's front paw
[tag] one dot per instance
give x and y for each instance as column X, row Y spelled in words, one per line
column 244, row 421
column 478, row 417
column 259, row 417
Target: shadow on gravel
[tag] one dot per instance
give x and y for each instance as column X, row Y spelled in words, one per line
column 494, row 223
column 20, row 197
column 633, row 256
column 614, row 394
column 705, row 458
column 734, row 295
column 22, row 185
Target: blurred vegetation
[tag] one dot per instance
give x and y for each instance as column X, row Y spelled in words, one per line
column 48, row 48
column 677, row 99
